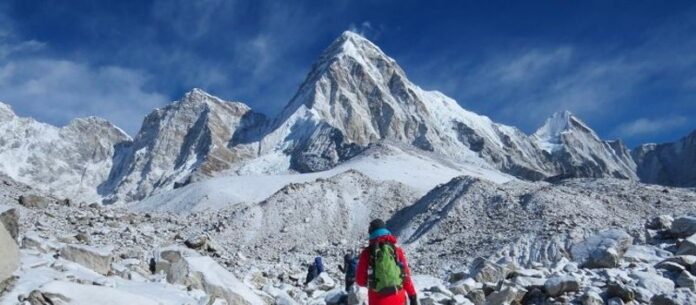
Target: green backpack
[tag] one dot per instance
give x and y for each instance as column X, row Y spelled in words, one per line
column 387, row 272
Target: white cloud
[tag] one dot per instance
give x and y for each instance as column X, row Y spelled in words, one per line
column 57, row 91
column 645, row 126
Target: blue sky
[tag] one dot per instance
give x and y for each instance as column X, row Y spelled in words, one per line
column 628, row 68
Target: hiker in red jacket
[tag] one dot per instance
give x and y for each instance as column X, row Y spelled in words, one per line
column 383, row 269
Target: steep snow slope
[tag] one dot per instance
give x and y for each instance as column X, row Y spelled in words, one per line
column 669, row 163
column 411, row 168
column 356, row 95
column 179, row 143
column 69, row 162
column 577, row 151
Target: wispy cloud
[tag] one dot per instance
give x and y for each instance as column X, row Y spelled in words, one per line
column 522, row 85
column 645, row 126
column 61, row 90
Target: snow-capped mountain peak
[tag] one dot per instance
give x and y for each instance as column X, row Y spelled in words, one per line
column 579, row 152
column 549, row 135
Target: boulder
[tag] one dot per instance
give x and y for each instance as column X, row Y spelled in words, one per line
column 186, row 267
column 591, row 298
column 662, row 222
column 196, row 242
column 683, row 226
column 506, row 295
column 670, row 266
column 688, row 246
column 464, row 286
column 10, row 219
column 529, row 282
column 686, row 280
column 9, row 257
column 34, row 201
column 322, row 282
column 615, row 301
column 560, row 284
column 680, row 296
column 621, row 291
column 645, row 254
column 684, row 260
column 98, row 260
column 478, row 297
column 652, row 283
column 485, row 271
column 433, row 299
column 357, row 296
column 602, row 250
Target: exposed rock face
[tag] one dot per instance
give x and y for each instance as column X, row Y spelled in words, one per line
column 9, row 257
column 69, row 162
column 9, row 218
column 179, row 142
column 577, row 151
column 98, row 260
column 668, row 163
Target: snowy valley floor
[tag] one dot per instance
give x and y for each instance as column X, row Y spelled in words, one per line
column 582, row 241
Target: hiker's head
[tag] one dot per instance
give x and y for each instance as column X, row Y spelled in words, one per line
column 378, row 228
column 317, row 260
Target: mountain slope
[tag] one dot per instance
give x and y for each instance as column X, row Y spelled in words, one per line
column 469, row 217
column 669, row 163
column 68, row 162
column 177, row 144
column 577, row 151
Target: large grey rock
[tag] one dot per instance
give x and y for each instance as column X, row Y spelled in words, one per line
column 93, row 258
column 560, row 284
column 9, row 257
column 688, row 246
column 529, row 282
column 506, row 295
column 621, row 291
column 680, row 296
column 322, row 282
column 34, row 201
column 186, row 267
column 652, row 283
column 591, row 298
column 645, row 254
column 10, row 219
column 684, row 260
column 662, row 222
column 485, row 271
column 602, row 250
column 684, row 226
column 686, row 280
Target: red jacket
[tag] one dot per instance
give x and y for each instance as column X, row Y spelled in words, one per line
column 375, row 298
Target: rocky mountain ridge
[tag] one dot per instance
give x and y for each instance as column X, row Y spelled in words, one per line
column 353, row 98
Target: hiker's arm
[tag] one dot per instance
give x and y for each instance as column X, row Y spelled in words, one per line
column 361, row 269
column 408, row 283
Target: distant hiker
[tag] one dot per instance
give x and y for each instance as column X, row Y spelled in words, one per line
column 350, row 263
column 383, row 269
column 314, row 269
